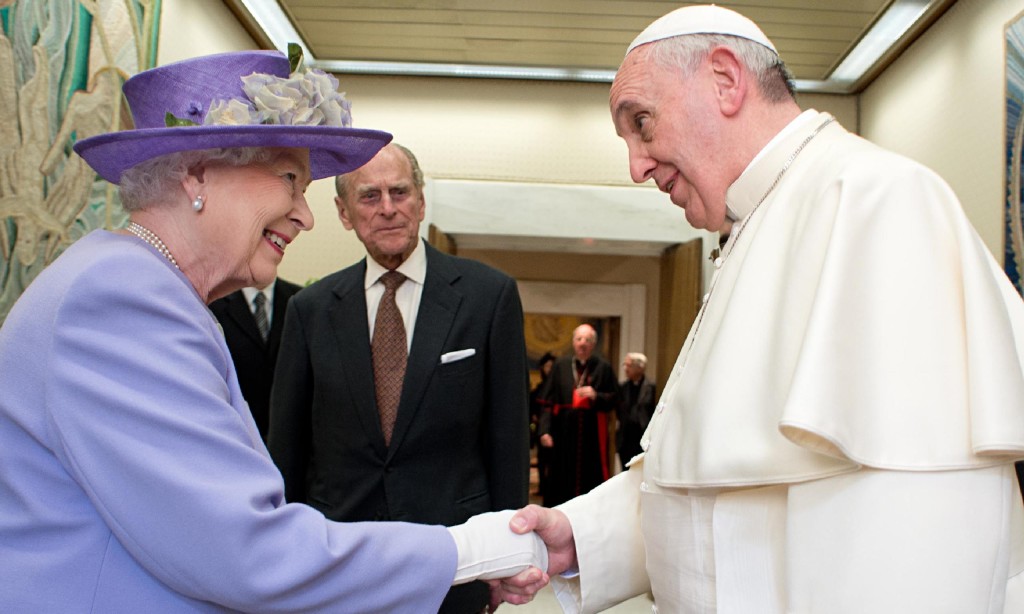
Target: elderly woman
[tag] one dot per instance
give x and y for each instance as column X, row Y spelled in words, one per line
column 132, row 475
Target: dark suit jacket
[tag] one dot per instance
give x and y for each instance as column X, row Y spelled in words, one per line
column 634, row 415
column 460, row 444
column 254, row 358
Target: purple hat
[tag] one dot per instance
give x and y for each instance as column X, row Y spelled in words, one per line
column 240, row 99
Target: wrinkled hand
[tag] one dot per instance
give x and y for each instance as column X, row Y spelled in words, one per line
column 553, row 527
column 587, row 392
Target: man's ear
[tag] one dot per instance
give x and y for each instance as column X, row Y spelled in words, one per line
column 730, row 80
column 342, row 213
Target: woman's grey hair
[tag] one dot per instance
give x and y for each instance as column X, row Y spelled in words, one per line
column 151, row 181
column 341, row 182
column 686, row 52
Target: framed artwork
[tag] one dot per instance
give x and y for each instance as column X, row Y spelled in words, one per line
column 1013, row 257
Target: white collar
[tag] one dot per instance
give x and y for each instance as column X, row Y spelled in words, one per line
column 414, row 267
column 251, row 292
column 744, row 193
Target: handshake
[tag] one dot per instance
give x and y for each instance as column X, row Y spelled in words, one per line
column 514, row 551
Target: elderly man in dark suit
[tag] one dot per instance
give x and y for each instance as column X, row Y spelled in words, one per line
column 636, row 406
column 254, row 340
column 407, row 400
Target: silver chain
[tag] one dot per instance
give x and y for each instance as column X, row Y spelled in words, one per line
column 771, row 188
column 778, row 178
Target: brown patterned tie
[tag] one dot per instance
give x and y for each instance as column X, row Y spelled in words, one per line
column 389, row 353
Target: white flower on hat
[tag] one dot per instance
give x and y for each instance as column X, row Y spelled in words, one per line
column 230, row 113
column 307, row 98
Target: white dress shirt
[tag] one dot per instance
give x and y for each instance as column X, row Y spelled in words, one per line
column 268, row 292
column 408, row 294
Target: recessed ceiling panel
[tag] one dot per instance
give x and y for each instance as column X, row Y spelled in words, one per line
column 812, row 36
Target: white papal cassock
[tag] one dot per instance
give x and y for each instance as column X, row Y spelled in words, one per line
column 838, row 433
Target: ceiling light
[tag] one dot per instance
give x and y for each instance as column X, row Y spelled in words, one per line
column 466, row 70
column 276, row 25
column 893, row 24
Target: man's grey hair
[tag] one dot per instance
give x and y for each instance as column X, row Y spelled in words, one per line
column 686, row 52
column 341, row 182
column 637, row 359
column 151, row 182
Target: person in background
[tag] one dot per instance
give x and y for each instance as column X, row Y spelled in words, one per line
column 420, row 416
column 839, row 431
column 536, row 411
column 252, row 319
column 132, row 475
column 577, row 397
column 637, row 397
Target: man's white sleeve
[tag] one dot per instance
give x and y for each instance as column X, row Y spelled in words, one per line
column 609, row 546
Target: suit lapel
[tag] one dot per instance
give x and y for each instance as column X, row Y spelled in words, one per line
column 238, row 310
column 647, row 392
column 439, row 305
column 352, row 340
column 282, row 293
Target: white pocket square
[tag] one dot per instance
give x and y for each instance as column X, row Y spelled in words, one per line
column 456, row 355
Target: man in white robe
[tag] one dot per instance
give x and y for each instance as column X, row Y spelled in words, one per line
column 839, row 430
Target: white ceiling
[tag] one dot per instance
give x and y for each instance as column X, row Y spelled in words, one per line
column 481, row 37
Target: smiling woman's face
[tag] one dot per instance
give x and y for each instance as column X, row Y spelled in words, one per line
column 252, row 213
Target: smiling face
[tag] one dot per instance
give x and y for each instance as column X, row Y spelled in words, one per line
column 384, row 206
column 670, row 126
column 253, row 212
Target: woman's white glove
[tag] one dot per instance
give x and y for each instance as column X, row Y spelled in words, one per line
column 488, row 549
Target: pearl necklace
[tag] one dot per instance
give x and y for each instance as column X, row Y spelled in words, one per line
column 720, row 260
column 150, row 237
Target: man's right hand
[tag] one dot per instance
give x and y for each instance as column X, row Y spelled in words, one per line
column 553, row 527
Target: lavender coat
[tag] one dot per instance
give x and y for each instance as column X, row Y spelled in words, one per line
column 132, row 476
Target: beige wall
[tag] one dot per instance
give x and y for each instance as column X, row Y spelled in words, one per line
column 531, row 131
column 942, row 103
column 189, row 28
column 590, row 269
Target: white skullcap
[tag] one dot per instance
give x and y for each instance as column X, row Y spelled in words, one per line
column 702, row 19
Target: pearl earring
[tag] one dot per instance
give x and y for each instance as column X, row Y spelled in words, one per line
column 197, row 204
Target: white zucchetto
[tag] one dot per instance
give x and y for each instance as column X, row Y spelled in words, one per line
column 701, row 19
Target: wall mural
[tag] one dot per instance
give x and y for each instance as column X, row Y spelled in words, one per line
column 62, row 63
column 1013, row 257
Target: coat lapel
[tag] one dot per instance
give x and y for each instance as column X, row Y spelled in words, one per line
column 352, row 341
column 439, row 304
column 281, row 296
column 238, row 310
